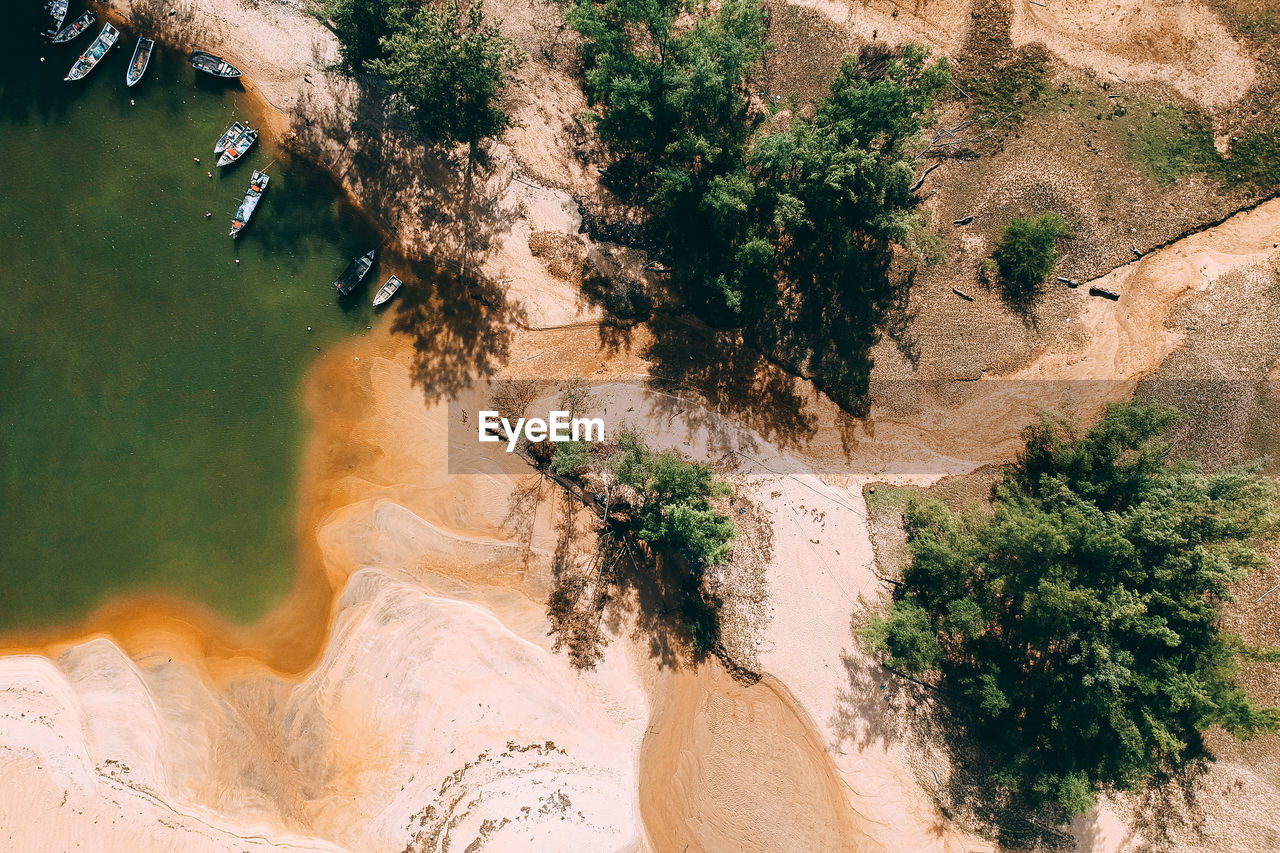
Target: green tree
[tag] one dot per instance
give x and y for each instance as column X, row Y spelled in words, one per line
column 361, row 25
column 1082, row 618
column 1028, row 253
column 666, row 95
column 676, row 510
column 447, row 71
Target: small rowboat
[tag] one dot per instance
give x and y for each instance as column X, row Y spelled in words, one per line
column 257, row 186
column 239, row 146
column 74, row 28
column 232, row 133
column 138, row 65
column 355, row 273
column 215, row 65
column 387, row 291
column 91, row 57
column 57, row 11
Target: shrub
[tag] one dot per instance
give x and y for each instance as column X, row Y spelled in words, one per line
column 1028, row 253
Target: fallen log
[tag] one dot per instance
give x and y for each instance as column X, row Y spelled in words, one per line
column 958, row 292
column 1069, row 282
column 918, row 184
column 1135, row 250
column 1104, row 293
column 964, row 220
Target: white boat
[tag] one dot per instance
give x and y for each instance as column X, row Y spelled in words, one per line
column 387, row 291
column 232, row 132
column 238, row 146
column 138, row 65
column 257, row 186
column 91, row 57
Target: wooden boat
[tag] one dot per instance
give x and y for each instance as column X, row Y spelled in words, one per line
column 257, row 186
column 238, row 146
column 355, row 273
column 232, row 132
column 387, row 291
column 57, row 11
column 138, row 65
column 74, row 28
column 94, row 54
column 215, row 65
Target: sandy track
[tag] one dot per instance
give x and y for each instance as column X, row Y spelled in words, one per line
column 1176, row 43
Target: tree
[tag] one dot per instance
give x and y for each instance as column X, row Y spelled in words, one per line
column 1028, row 253
column 670, row 97
column 447, row 72
column 1081, row 620
column 676, row 511
column 361, row 25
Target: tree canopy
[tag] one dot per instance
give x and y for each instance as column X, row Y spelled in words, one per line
column 1081, row 619
column 445, row 66
column 447, row 71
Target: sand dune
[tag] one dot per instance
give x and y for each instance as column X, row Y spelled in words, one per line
column 364, row 754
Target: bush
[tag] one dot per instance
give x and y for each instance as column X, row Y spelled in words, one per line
column 1082, row 620
column 1028, row 253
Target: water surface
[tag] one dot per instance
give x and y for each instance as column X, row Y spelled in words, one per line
column 150, row 396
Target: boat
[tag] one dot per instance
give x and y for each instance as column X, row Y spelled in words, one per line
column 387, row 291
column 257, row 185
column 141, row 57
column 355, row 273
column 238, row 146
column 215, row 65
column 74, row 28
column 57, row 11
column 232, row 132
column 94, row 54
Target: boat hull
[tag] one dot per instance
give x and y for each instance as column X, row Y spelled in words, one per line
column 354, row 274
column 75, row 28
column 141, row 59
column 238, row 147
column 257, row 186
column 387, row 291
column 213, row 65
column 90, row 58
column 227, row 138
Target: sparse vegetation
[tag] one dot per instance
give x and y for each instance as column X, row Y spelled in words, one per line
column 1079, row 623
column 1168, row 142
column 1028, row 253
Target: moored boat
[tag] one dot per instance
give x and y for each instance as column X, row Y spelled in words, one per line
column 215, row 65
column 74, row 28
column 138, row 65
column 238, row 146
column 232, row 133
column 91, row 57
column 387, row 291
column 57, row 11
column 355, row 273
column 257, row 185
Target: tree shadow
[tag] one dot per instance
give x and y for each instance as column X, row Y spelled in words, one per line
column 604, row 584
column 461, row 330
column 440, row 201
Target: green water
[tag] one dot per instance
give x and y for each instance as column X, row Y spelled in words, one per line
column 151, row 424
